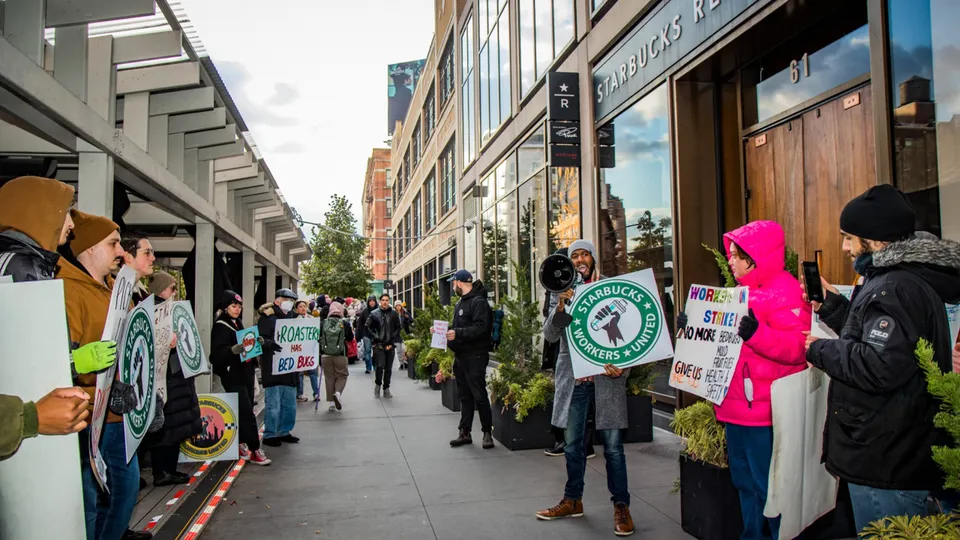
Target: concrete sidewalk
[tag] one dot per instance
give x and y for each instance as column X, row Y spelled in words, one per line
column 384, row 469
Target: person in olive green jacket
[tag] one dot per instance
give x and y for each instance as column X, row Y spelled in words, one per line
column 61, row 412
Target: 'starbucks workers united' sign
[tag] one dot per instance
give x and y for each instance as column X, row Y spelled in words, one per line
column 193, row 362
column 617, row 321
column 138, row 369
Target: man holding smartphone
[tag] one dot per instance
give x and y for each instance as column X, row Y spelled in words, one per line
column 879, row 429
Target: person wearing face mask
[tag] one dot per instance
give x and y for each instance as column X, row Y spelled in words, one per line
column 281, row 390
column 879, row 429
column 773, row 348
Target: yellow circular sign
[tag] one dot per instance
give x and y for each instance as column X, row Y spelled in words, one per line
column 219, row 430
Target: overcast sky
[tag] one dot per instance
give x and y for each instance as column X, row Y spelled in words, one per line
column 310, row 79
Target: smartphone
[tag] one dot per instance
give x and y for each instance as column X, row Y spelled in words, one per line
column 811, row 278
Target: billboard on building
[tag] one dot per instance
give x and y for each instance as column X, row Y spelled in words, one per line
column 402, row 80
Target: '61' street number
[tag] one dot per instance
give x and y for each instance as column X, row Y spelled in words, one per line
column 795, row 68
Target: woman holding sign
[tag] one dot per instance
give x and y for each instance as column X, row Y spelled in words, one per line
column 773, row 335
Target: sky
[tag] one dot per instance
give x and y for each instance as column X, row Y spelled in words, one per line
column 310, row 80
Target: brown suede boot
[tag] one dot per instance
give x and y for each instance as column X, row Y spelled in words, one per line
column 566, row 508
column 622, row 521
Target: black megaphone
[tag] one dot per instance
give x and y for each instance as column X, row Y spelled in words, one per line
column 557, row 273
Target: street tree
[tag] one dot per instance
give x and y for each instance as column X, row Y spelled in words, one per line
column 337, row 266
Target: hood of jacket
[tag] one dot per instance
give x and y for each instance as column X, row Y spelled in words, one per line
column 375, row 303
column 935, row 261
column 36, row 207
column 765, row 243
column 14, row 241
column 477, row 290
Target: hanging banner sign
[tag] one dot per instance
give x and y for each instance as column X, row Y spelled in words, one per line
column 163, row 326
column 250, row 339
column 193, row 360
column 300, row 339
column 218, row 441
column 136, row 356
column 708, row 349
column 617, row 321
column 112, row 330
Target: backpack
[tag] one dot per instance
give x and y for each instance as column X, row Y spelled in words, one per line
column 331, row 337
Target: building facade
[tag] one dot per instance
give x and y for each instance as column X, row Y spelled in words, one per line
column 377, row 210
column 695, row 117
column 426, row 212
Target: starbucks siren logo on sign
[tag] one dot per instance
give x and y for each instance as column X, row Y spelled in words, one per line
column 137, row 369
column 615, row 322
column 187, row 340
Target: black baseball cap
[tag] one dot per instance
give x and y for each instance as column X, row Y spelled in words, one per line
column 463, row 276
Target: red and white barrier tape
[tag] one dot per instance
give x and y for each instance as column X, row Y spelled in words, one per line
column 154, row 521
column 197, row 527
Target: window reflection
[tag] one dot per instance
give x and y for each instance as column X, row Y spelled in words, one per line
column 506, row 245
column 526, row 252
column 564, row 207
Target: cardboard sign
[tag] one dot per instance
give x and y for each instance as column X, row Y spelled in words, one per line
column 300, row 339
column 42, row 491
column 112, row 330
column 163, row 327
column 250, row 339
column 219, row 440
column 708, row 349
column 617, row 321
column 439, row 338
column 193, row 360
column 136, row 358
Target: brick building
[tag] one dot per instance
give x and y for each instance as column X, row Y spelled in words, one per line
column 377, row 206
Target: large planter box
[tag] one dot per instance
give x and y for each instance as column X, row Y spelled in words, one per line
column 449, row 395
column 709, row 504
column 531, row 434
column 434, row 385
column 639, row 421
column 412, row 369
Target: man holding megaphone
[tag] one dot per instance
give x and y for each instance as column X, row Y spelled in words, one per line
column 573, row 398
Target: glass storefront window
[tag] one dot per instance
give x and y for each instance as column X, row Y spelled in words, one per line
column 430, row 203
column 468, row 131
column 494, row 46
column 448, row 181
column 546, row 28
column 636, row 217
column 527, row 207
column 563, row 207
column 530, row 156
column 506, row 245
column 489, row 245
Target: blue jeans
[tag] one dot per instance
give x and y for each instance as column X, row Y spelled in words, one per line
column 580, row 404
column 368, row 353
column 871, row 504
column 314, row 382
column 749, row 450
column 108, row 515
column 280, row 414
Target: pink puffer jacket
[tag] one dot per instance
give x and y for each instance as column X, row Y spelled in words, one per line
column 777, row 348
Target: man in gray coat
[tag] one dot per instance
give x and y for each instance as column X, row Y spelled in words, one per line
column 571, row 407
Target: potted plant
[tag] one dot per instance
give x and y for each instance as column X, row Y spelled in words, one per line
column 423, row 368
column 432, row 362
column 411, row 350
column 449, row 396
column 639, row 404
column 521, row 395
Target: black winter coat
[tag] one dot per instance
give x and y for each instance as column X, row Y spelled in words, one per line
column 24, row 259
column 269, row 314
column 181, row 411
column 383, row 327
column 879, row 428
column 232, row 372
column 362, row 318
column 472, row 323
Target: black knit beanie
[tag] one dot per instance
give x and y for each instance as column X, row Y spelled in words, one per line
column 228, row 297
column 882, row 213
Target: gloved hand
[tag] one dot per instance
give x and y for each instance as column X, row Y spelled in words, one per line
column 272, row 345
column 157, row 416
column 95, row 356
column 748, row 326
column 682, row 321
column 237, row 349
column 123, row 398
column 260, row 340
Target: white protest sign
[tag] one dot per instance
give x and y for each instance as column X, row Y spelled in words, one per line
column 617, row 321
column 300, row 339
column 163, row 328
column 439, row 338
column 799, row 488
column 953, row 318
column 708, row 349
column 193, row 360
column 821, row 330
column 6, row 279
column 116, row 316
column 136, row 361
column 41, row 492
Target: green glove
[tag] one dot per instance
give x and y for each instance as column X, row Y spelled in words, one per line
column 94, row 356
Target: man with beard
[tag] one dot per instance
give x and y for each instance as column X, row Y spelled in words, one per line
column 879, row 429
column 469, row 339
column 383, row 327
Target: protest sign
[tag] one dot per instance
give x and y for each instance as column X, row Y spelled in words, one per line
column 617, row 321
column 708, row 349
column 799, row 487
column 953, row 319
column 218, row 441
column 112, row 330
column 136, row 358
column 250, row 339
column 163, row 328
column 6, row 279
column 300, row 342
column 193, row 361
column 439, row 338
column 41, row 492
column 821, row 330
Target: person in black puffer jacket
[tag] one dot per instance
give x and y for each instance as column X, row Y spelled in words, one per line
column 181, row 409
column 280, row 390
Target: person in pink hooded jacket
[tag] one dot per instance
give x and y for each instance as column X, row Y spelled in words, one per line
column 773, row 348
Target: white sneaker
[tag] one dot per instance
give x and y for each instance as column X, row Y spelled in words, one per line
column 332, row 407
column 336, row 401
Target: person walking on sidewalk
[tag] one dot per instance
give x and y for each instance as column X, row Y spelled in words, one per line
column 281, row 389
column 469, row 339
column 406, row 324
column 572, row 400
column 235, row 375
column 383, row 327
column 362, row 334
column 334, row 334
